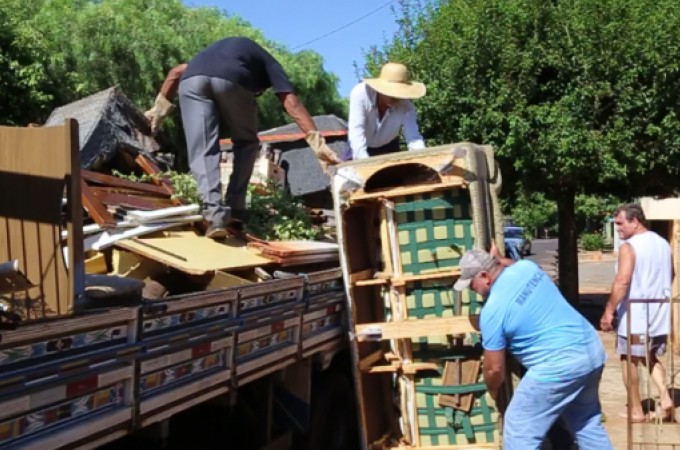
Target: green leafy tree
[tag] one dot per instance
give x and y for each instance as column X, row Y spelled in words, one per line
column 535, row 212
column 84, row 46
column 25, row 91
column 578, row 96
column 592, row 210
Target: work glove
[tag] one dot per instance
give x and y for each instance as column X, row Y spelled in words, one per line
column 324, row 154
column 161, row 109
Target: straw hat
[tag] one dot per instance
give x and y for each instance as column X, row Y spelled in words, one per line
column 394, row 82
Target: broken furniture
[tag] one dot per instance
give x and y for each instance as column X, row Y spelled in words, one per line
column 404, row 222
column 107, row 123
column 38, row 166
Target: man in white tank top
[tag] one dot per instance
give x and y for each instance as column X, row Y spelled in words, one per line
column 644, row 272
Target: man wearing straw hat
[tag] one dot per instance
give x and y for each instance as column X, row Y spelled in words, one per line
column 644, row 273
column 525, row 314
column 378, row 109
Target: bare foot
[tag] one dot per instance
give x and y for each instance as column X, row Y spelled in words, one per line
column 663, row 414
column 635, row 418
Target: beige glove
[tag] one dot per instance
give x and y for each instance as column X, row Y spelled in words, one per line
column 325, row 155
column 162, row 108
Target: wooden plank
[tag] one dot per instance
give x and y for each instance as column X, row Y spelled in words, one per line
column 417, row 328
column 407, row 369
column 448, row 447
column 43, row 330
column 125, row 191
column 361, row 275
column 360, row 195
column 402, row 280
column 457, row 372
column 373, row 282
column 294, row 248
column 38, row 166
column 133, row 201
column 287, row 262
column 197, row 254
column 95, row 208
column 116, row 182
column 371, row 359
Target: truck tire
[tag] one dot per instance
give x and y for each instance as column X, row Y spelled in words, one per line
column 333, row 415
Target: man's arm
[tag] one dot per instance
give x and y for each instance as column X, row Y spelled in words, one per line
column 171, row 83
column 494, row 371
column 620, row 285
column 297, row 111
column 163, row 106
column 414, row 140
column 497, row 254
column 356, row 124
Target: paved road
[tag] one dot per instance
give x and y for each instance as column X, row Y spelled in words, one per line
column 540, row 249
column 594, row 276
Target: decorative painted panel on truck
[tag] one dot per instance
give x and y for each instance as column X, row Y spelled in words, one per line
column 57, row 375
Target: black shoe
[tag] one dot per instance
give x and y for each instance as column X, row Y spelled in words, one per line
column 235, row 226
column 216, row 232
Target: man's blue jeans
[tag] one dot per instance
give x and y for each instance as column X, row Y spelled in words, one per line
column 536, row 405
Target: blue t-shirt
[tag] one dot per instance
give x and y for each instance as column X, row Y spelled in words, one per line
column 526, row 314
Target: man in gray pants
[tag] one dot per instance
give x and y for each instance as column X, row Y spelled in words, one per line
column 219, row 84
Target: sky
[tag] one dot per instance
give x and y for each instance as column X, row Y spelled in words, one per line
column 341, row 31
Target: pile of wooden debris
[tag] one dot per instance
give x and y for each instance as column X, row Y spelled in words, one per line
column 142, row 230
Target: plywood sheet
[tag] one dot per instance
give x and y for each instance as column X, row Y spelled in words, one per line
column 194, row 254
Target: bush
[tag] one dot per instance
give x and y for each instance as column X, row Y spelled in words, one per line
column 592, row 241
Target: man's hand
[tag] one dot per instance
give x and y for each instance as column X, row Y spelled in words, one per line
column 324, row 154
column 161, row 109
column 607, row 321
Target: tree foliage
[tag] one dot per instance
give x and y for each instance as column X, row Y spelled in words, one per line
column 578, row 96
column 84, row 46
column 581, row 94
column 535, row 213
column 23, row 82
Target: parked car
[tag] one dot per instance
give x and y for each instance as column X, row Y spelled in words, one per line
column 515, row 237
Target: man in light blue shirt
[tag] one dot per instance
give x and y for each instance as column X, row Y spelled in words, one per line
column 378, row 109
column 525, row 314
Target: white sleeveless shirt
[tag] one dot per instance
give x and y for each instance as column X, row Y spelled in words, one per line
column 651, row 280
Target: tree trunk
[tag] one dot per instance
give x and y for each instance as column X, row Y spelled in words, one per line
column 567, row 247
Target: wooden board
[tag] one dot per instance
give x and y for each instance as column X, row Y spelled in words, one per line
column 459, row 372
column 417, row 328
column 38, row 166
column 295, row 248
column 194, row 254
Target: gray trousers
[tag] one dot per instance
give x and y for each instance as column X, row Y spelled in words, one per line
column 205, row 103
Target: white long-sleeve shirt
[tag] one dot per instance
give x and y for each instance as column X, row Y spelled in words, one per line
column 365, row 129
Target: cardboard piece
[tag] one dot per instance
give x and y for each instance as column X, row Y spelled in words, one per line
column 194, row 254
